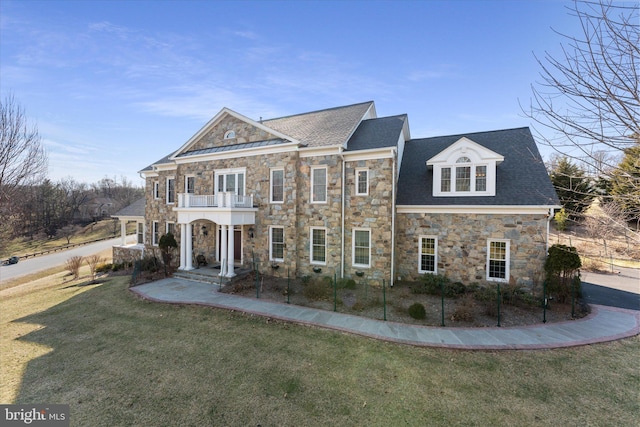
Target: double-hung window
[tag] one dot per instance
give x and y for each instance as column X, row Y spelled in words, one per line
column 140, row 233
column 277, row 185
column 155, row 233
column 319, row 185
column 171, row 190
column 428, row 255
column 362, row 182
column 318, row 245
column 361, row 250
column 276, row 244
column 171, row 228
column 498, row 260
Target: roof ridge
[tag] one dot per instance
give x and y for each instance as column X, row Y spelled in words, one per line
column 317, row 111
column 470, row 133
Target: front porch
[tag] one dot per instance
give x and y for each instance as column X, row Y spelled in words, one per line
column 211, row 274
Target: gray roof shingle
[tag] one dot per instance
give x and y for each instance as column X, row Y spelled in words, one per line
column 322, row 128
column 377, row 133
column 521, row 179
column 134, row 209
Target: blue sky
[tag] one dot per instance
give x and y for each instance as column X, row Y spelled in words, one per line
column 115, row 85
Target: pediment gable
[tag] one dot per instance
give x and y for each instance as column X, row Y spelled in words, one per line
column 228, row 128
column 465, row 147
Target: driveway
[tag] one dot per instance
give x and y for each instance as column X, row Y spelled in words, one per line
column 620, row 289
column 54, row 259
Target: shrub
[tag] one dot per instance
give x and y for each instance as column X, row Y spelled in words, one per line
column 305, row 279
column 430, row 284
column 345, row 283
column 92, row 262
column 149, row 264
column 417, row 311
column 562, row 266
column 104, row 268
column 464, row 310
column 318, row 290
column 454, row 289
column 73, row 266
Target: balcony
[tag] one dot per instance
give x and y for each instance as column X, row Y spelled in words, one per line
column 224, row 208
column 220, row 200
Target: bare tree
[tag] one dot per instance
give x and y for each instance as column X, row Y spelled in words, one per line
column 587, row 102
column 23, row 160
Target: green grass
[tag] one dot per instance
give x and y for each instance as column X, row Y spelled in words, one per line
column 119, row 360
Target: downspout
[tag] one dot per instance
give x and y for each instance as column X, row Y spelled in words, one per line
column 548, row 226
column 342, row 232
column 393, row 218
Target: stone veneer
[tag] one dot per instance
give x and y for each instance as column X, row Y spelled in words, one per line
column 462, row 244
column 127, row 253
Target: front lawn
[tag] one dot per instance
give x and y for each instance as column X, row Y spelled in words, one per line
column 119, row 360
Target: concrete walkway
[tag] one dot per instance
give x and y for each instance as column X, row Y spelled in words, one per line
column 603, row 324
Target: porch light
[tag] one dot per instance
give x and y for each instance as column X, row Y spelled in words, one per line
column 251, row 232
column 204, row 230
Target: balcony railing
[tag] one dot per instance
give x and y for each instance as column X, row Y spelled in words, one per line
column 220, row 200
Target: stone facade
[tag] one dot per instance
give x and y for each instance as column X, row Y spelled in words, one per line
column 462, row 244
column 127, row 253
column 462, row 238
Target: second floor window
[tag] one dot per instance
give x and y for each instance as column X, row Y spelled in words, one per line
column 190, row 184
column 171, row 190
column 362, row 182
column 156, row 190
column 277, row 186
column 318, row 185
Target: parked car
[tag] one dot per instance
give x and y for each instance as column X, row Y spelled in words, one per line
column 13, row 260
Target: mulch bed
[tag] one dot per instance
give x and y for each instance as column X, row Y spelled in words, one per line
column 368, row 301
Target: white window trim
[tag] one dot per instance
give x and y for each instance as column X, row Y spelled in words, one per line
column 155, row 233
column 507, row 260
column 186, row 180
column 311, row 260
column 156, row 190
column 271, row 186
column 139, row 240
column 271, row 258
column 167, row 190
column 353, row 248
column 358, row 170
column 490, row 179
column 435, row 261
column 233, row 171
column 326, row 185
column 166, row 228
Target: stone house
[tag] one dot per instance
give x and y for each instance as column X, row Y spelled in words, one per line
column 342, row 191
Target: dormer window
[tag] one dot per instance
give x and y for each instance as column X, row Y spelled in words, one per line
column 229, row 134
column 465, row 168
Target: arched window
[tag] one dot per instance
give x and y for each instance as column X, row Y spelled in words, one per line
column 463, row 160
column 230, row 134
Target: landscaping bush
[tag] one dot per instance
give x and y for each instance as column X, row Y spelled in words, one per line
column 463, row 311
column 417, row 311
column 318, row 289
column 73, row 265
column 562, row 266
column 454, row 289
column 105, row 268
column 345, row 283
column 430, row 284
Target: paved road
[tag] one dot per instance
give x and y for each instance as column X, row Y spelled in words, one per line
column 45, row 262
column 621, row 289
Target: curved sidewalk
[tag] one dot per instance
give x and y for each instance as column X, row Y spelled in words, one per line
column 603, row 324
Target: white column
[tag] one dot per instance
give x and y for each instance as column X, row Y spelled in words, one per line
column 230, row 253
column 123, row 231
column 223, row 245
column 189, row 248
column 183, row 246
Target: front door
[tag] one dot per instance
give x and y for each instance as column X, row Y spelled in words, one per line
column 237, row 245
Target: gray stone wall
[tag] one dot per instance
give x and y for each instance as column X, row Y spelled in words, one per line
column 244, row 132
column 122, row 254
column 372, row 212
column 158, row 209
column 462, row 244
